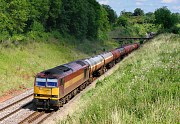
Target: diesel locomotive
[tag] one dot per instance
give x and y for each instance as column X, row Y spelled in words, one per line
column 56, row 86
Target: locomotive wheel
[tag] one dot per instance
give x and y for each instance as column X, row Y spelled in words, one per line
column 75, row 92
column 67, row 98
column 87, row 83
column 84, row 85
column 61, row 103
column 64, row 100
column 81, row 87
column 56, row 108
column 70, row 95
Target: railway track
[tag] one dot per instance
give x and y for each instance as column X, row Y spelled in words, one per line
column 36, row 117
column 15, row 106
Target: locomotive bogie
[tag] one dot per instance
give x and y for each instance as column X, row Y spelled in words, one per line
column 46, row 104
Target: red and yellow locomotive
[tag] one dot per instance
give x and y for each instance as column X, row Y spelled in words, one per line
column 56, row 86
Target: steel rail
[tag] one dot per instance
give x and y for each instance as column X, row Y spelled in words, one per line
column 16, row 102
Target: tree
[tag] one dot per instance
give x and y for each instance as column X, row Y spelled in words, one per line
column 93, row 17
column 14, row 14
column 122, row 21
column 127, row 14
column 164, row 17
column 74, row 17
column 138, row 12
column 103, row 23
column 39, row 10
column 54, row 12
column 112, row 16
column 149, row 17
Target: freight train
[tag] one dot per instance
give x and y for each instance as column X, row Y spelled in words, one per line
column 56, row 86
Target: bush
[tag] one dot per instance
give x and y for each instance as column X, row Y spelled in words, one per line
column 175, row 29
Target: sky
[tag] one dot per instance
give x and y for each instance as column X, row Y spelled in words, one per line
column 146, row 5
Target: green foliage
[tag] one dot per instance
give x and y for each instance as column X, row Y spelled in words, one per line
column 80, row 18
column 127, row 14
column 138, row 12
column 122, row 21
column 112, row 16
column 93, row 17
column 17, row 38
column 14, row 14
column 37, row 31
column 54, row 12
column 36, row 26
column 175, row 29
column 149, row 17
column 164, row 17
column 145, row 88
column 39, row 10
column 103, row 24
column 74, row 17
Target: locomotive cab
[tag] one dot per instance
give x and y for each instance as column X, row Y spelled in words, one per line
column 54, row 87
column 46, row 93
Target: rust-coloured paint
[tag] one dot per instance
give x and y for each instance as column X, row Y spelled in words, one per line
column 116, row 53
column 73, row 86
column 73, row 80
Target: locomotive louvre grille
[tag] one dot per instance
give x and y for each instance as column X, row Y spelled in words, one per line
column 63, row 68
column 57, row 70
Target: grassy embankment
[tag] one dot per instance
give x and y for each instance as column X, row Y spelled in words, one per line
column 145, row 88
column 19, row 63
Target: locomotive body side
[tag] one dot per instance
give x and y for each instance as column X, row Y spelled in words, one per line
column 75, row 79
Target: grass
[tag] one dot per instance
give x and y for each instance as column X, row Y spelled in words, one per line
column 20, row 63
column 145, row 88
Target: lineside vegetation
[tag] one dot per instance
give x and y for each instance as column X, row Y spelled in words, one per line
column 145, row 88
column 19, row 64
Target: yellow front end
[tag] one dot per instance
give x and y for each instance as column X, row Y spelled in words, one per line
column 46, row 93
